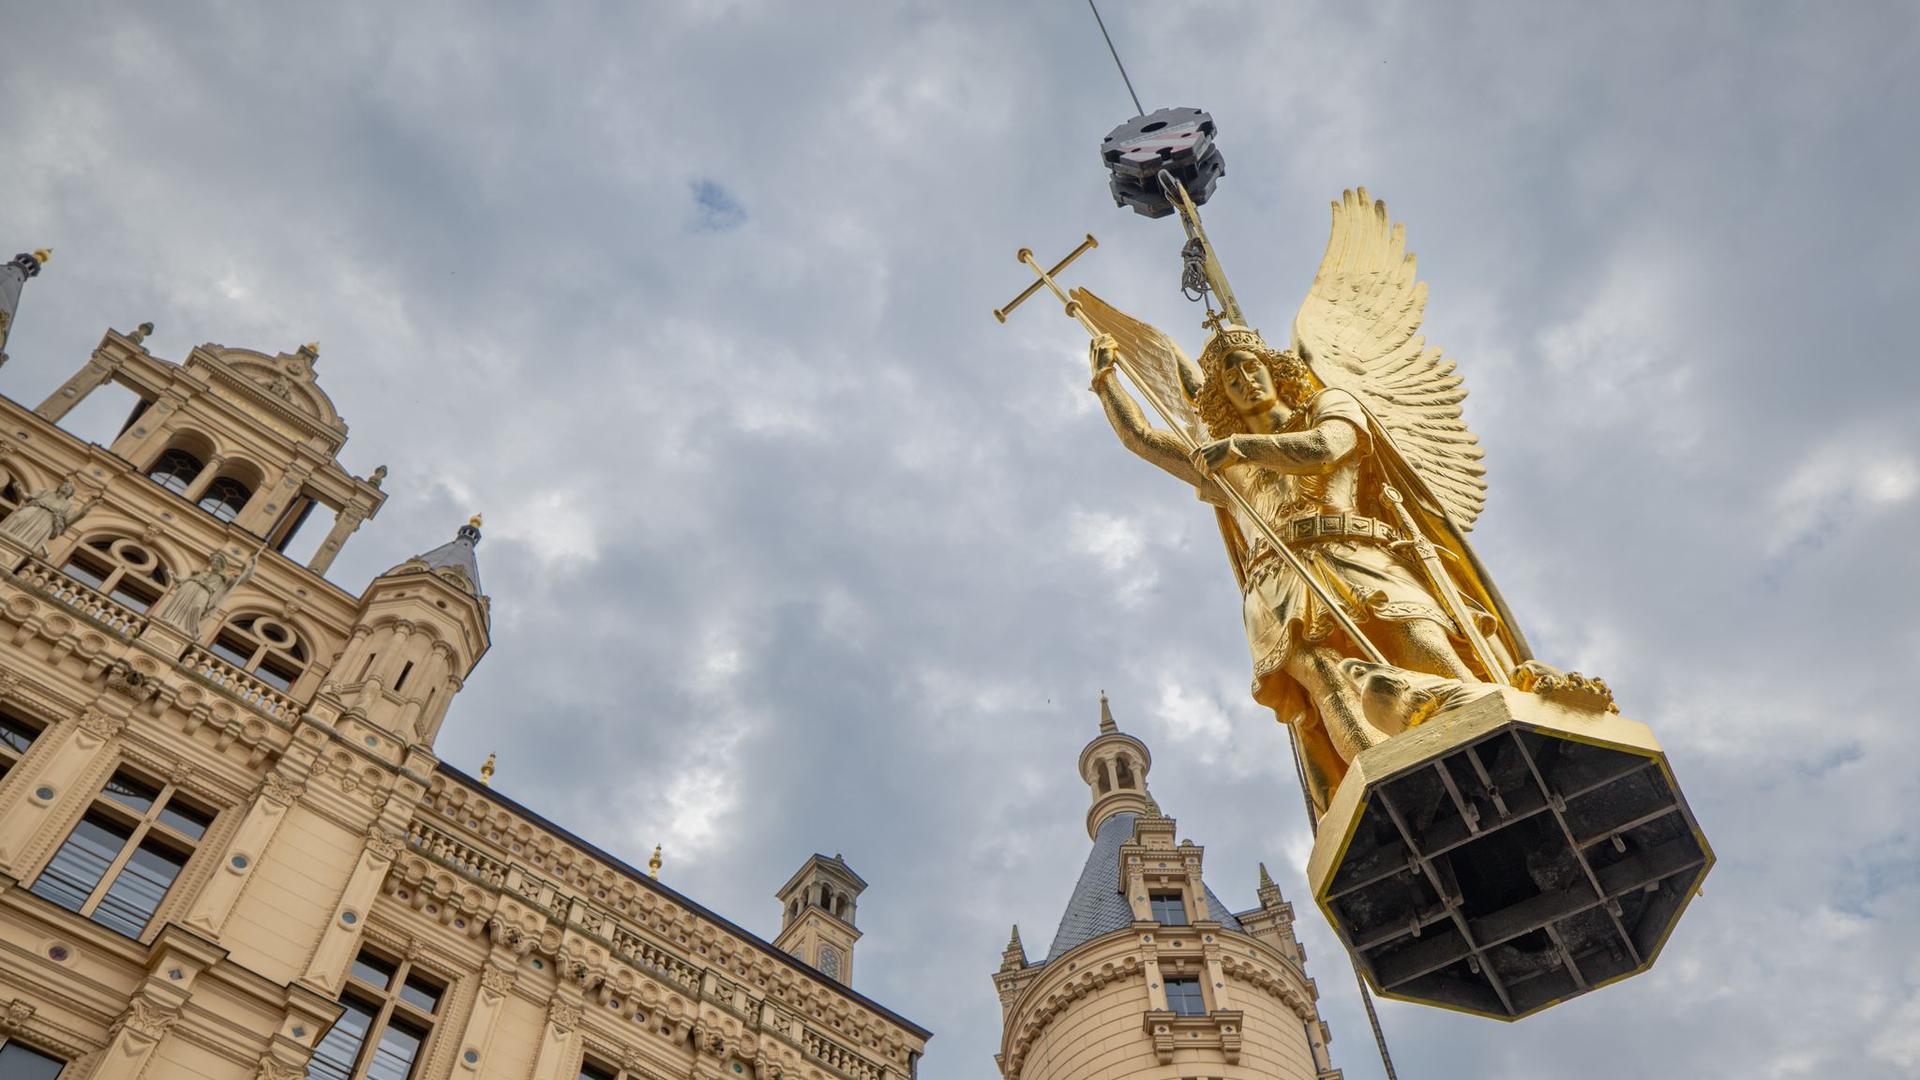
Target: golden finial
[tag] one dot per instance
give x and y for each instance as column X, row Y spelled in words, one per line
column 474, row 521
column 653, row 864
column 41, row 255
column 312, row 347
column 486, row 772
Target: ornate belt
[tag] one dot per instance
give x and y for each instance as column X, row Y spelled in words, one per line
column 1314, row 528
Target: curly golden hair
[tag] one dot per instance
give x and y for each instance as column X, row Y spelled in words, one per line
column 1292, row 379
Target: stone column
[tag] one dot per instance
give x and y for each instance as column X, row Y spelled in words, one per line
column 78, row 756
column 242, row 855
column 341, row 941
column 177, row 958
column 345, row 523
column 98, row 369
column 559, row 1041
column 198, row 485
column 262, row 511
column 476, row 1043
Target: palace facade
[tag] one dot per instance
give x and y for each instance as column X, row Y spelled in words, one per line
column 227, row 847
column 1150, row 976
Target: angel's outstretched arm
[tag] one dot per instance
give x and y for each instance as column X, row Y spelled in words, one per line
column 1163, row 448
column 1316, row 450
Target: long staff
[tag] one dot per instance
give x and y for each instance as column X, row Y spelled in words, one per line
column 1220, row 478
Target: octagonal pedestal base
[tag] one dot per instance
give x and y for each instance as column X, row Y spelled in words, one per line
column 1507, row 855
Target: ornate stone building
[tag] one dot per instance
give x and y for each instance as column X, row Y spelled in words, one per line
column 1150, row 976
column 227, row 848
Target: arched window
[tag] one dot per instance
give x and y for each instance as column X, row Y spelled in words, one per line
column 10, row 493
column 265, row 646
column 175, row 470
column 829, row 964
column 1125, row 773
column 1106, row 782
column 225, row 498
column 119, row 568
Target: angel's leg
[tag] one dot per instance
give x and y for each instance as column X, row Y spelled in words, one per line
column 1420, row 645
column 1317, row 669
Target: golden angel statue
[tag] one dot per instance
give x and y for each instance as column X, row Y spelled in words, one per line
column 1490, row 834
column 1350, row 446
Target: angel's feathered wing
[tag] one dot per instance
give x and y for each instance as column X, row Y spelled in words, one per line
column 1359, row 330
column 1162, row 366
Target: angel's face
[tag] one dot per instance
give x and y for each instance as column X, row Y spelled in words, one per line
column 1248, row 383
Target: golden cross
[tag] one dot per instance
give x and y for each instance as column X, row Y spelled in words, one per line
column 1045, row 277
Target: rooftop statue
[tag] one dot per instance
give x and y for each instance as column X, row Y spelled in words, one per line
column 1491, row 834
column 45, row 515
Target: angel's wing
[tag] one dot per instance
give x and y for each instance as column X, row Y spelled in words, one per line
column 1359, row 330
column 1161, row 364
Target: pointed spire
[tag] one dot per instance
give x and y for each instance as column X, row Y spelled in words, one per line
column 457, row 555
column 1015, row 956
column 1107, row 726
column 1269, row 893
column 13, row 276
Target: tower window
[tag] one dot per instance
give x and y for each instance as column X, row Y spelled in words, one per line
column 390, row 1007
column 263, row 646
column 16, row 736
column 1125, row 773
column 1184, row 997
column 118, row 568
column 175, row 470
column 18, row 1062
column 1169, row 909
column 225, row 498
column 118, row 863
column 829, row 961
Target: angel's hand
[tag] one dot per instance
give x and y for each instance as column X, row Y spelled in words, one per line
column 1210, row 456
column 1104, row 352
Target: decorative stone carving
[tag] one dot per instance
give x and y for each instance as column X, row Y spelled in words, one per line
column 494, row 980
column 383, row 843
column 17, row 1015
column 187, row 605
column 563, row 1014
column 279, row 789
column 101, row 725
column 45, row 515
column 146, row 1020
column 272, row 1068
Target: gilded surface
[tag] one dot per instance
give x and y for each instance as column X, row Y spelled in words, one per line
column 1344, row 479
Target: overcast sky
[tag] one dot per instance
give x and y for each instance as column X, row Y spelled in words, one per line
column 792, row 548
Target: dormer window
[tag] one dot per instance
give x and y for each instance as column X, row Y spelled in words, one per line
column 265, row 647
column 1185, row 998
column 175, row 470
column 225, row 498
column 1169, row 908
column 120, row 569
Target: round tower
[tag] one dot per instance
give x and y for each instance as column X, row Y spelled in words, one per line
column 422, row 627
column 1149, row 975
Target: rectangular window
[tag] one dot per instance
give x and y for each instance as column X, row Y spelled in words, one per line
column 125, row 853
column 1169, row 909
column 16, row 735
column 590, row 1071
column 389, row 1014
column 18, row 1062
column 1184, row 998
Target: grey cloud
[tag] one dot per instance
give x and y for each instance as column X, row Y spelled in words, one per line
column 783, row 527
